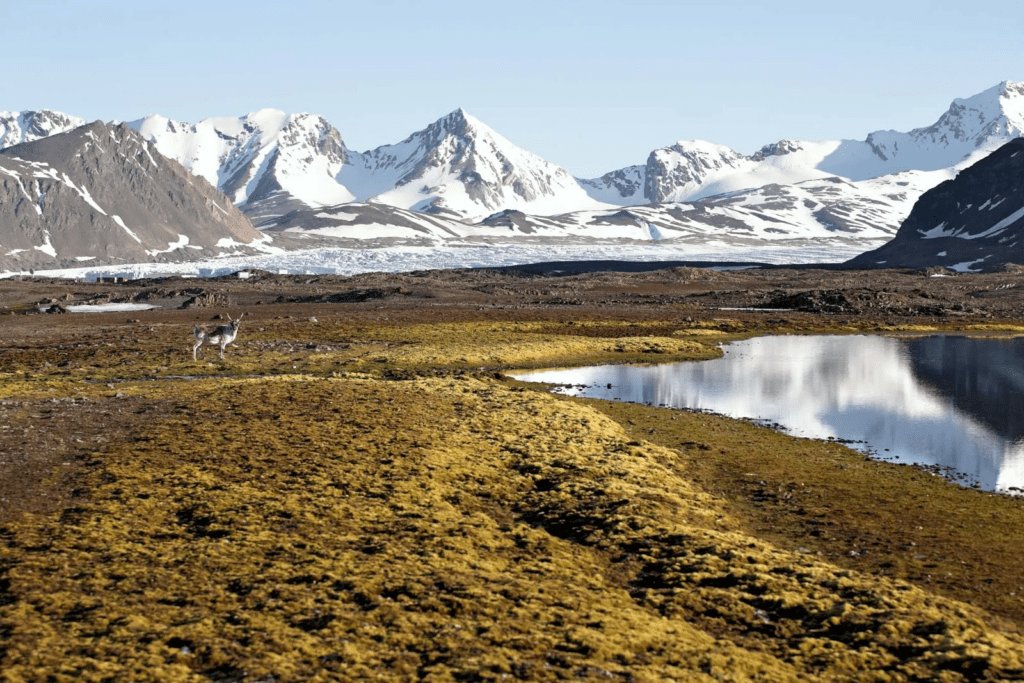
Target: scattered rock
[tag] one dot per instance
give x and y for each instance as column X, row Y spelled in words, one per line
column 206, row 300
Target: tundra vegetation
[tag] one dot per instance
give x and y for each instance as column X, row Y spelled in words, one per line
column 363, row 494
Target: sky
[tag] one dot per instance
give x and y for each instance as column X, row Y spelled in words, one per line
column 591, row 86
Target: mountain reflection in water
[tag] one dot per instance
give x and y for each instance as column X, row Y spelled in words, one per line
column 947, row 401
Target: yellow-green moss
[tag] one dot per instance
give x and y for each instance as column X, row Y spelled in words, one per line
column 352, row 528
column 876, row 517
column 284, row 348
column 299, row 516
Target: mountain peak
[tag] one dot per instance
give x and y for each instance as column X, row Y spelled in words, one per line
column 698, row 146
column 679, row 172
column 26, row 126
column 971, row 126
column 992, row 100
column 460, row 165
column 1012, row 89
column 268, row 117
column 1004, row 90
column 998, row 111
column 100, row 192
column 459, row 122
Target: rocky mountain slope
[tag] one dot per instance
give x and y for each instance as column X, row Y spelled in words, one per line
column 271, row 163
column 690, row 170
column 102, row 194
column 294, row 172
column 17, row 127
column 829, row 213
column 973, row 222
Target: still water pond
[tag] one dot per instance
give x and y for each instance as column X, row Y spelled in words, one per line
column 954, row 403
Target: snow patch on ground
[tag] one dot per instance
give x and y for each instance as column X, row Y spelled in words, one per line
column 102, row 308
column 172, row 246
column 47, row 246
column 938, row 231
column 262, row 245
column 117, row 219
column 967, row 266
column 1005, row 223
column 84, row 191
column 107, row 308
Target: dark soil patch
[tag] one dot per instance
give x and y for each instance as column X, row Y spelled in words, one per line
column 47, row 444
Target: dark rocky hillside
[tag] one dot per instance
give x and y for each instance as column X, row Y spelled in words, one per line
column 102, row 194
column 973, row 222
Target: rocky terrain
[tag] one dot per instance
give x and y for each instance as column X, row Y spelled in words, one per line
column 101, row 193
column 27, row 126
column 467, row 182
column 933, row 295
column 974, row 221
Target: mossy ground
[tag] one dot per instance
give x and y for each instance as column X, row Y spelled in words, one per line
column 827, row 500
column 365, row 507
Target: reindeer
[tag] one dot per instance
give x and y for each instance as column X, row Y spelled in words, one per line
column 222, row 336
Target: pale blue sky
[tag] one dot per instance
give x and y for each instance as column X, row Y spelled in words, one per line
column 592, row 86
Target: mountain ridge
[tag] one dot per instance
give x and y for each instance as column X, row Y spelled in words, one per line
column 100, row 193
column 692, row 169
column 282, row 169
column 970, row 223
column 27, row 126
column 271, row 163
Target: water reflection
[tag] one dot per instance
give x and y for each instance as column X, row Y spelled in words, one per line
column 952, row 402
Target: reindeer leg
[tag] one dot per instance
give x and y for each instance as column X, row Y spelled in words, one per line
column 200, row 338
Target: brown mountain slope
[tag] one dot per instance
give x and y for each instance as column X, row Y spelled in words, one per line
column 102, row 194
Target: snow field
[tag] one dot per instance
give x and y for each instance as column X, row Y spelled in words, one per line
column 407, row 259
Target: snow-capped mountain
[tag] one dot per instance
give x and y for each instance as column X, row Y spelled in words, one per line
column 271, row 163
column 677, row 173
column 973, row 222
column 459, row 179
column 17, row 127
column 458, row 166
column 831, row 213
column 102, row 194
column 976, row 124
column 267, row 162
column 691, row 170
